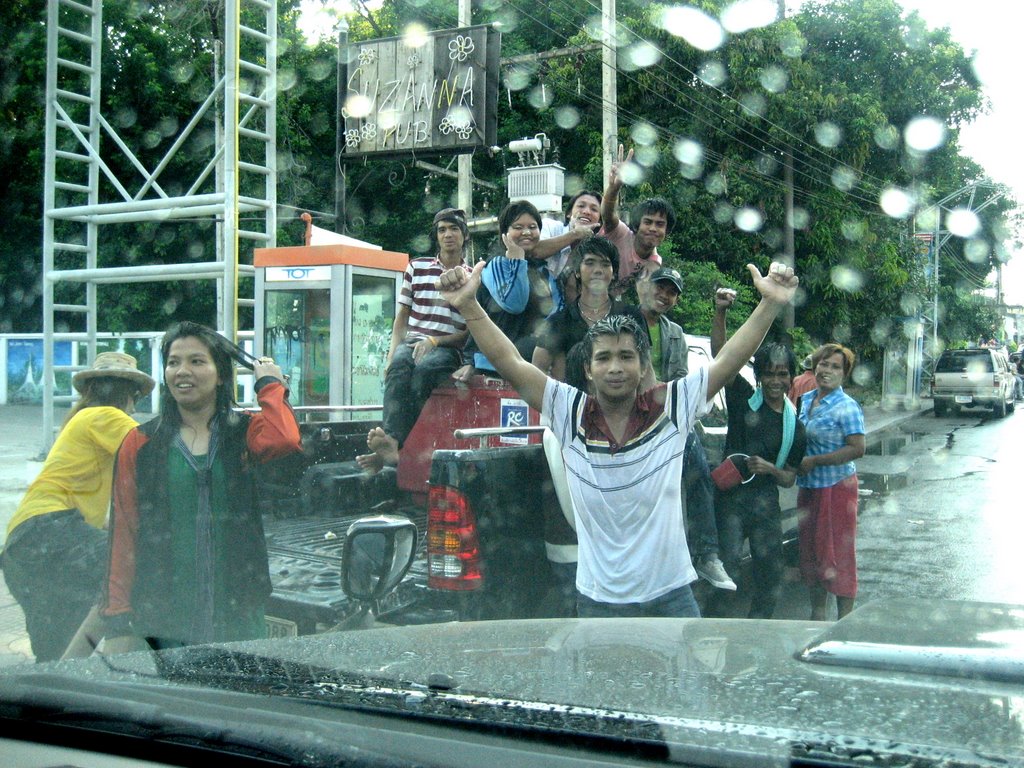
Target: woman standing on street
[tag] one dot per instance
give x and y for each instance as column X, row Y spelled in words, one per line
column 188, row 561
column 828, row 483
column 56, row 550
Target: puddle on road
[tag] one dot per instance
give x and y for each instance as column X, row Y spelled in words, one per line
column 893, row 444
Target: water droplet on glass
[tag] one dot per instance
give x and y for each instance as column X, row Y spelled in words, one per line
column 754, row 104
column 713, row 73
column 540, row 98
column 567, row 117
column 924, row 133
column 723, row 212
column 774, row 79
column 976, row 251
column 828, row 134
column 847, row 278
column 963, row 222
column 896, row 202
column 632, row 174
column 793, row 45
column 749, row 219
column 415, row 35
column 887, row 137
column 745, row 15
column 694, row 26
column 642, row 54
column 643, row 133
column 357, row 105
column 844, row 178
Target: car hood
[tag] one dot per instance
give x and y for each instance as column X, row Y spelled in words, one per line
column 929, row 681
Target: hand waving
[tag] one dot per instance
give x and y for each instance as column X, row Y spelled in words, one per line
column 778, row 285
column 615, row 172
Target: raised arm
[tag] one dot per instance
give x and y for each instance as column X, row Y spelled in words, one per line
column 610, row 198
column 459, row 286
column 724, row 298
column 776, row 289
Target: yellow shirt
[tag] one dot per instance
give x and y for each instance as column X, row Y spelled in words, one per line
column 78, row 471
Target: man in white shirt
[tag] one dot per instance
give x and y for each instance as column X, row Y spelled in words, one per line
column 623, row 447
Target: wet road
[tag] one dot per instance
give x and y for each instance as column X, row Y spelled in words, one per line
column 940, row 513
column 956, row 530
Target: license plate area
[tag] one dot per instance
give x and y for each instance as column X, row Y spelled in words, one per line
column 278, row 628
column 964, row 399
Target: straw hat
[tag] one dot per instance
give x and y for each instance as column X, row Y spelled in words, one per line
column 118, row 365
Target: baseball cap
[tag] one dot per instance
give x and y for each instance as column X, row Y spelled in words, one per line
column 672, row 275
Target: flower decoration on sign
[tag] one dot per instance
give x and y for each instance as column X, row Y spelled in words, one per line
column 446, row 126
column 352, row 138
column 460, row 48
column 414, row 60
column 367, row 56
column 369, row 132
column 464, row 131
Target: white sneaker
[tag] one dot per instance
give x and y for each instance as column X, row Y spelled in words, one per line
column 712, row 570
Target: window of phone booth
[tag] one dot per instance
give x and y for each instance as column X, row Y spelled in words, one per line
column 296, row 335
column 373, row 314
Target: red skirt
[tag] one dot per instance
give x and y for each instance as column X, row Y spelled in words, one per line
column 828, row 533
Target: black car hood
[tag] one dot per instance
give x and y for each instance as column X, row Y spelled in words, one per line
column 932, row 682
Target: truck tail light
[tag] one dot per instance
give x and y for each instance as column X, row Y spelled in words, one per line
column 453, row 549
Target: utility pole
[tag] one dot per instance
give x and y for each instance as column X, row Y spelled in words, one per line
column 789, row 257
column 609, row 86
column 465, row 189
column 340, row 203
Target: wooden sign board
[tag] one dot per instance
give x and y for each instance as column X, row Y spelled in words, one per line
column 435, row 94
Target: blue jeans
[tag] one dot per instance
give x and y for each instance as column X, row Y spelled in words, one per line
column 701, row 530
column 677, row 604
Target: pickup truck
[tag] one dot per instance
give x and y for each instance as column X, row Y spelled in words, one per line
column 474, row 479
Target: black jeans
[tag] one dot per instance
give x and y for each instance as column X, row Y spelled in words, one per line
column 54, row 565
column 751, row 513
column 408, row 384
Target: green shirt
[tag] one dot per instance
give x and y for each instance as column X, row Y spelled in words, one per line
column 231, row 622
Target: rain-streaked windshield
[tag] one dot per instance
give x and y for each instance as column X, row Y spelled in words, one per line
column 614, row 378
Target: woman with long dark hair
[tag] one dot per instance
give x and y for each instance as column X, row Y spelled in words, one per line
column 188, row 562
column 56, row 549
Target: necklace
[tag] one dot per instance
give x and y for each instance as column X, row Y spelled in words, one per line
column 593, row 314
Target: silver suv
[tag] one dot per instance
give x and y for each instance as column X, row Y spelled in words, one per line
column 973, row 377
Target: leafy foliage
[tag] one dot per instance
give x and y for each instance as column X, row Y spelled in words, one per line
column 830, row 89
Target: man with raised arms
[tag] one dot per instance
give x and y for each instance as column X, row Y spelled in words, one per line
column 623, row 447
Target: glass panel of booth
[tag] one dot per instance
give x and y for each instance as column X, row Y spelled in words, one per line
column 373, row 314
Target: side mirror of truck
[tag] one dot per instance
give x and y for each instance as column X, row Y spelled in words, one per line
column 377, row 555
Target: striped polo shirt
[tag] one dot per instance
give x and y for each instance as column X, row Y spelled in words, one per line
column 630, row 509
column 429, row 313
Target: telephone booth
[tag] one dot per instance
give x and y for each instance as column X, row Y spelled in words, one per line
column 324, row 313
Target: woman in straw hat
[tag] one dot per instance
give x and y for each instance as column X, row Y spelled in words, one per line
column 188, row 561
column 56, row 550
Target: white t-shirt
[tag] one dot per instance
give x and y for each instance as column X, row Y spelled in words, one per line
column 554, row 228
column 628, row 498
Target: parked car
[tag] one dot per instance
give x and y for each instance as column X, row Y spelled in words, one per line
column 973, row 377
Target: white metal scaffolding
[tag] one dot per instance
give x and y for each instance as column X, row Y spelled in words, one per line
column 83, row 191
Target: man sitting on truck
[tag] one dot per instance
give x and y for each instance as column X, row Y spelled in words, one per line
column 426, row 342
column 623, row 447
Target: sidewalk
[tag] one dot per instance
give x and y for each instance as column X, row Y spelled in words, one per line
column 22, row 439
